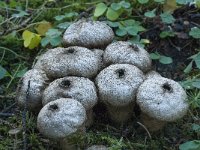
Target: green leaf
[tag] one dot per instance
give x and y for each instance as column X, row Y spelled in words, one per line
column 129, row 22
column 165, row 34
column 188, row 68
column 143, row 1
column 112, row 14
column 190, row 145
column 60, row 17
column 20, row 14
column 113, row 24
column 64, row 25
column 150, row 14
column 100, row 9
column 196, row 84
column 160, row 1
column 155, row 56
column 21, row 72
column 44, row 41
column 167, row 18
column 183, row 2
column 121, row 32
column 165, row 60
column 71, row 14
column 124, row 4
column 43, row 27
column 31, row 40
column 132, row 30
column 197, row 60
column 196, row 128
column 2, row 72
column 53, row 33
column 116, row 6
column 195, row 32
column 1, row 18
column 56, row 41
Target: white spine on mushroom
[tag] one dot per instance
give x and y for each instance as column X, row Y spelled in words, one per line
column 127, row 53
column 79, row 88
column 34, row 82
column 117, row 85
column 162, row 99
column 90, row 34
column 74, row 60
column 61, row 118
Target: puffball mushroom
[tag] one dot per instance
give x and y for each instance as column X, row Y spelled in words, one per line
column 61, row 118
column 77, row 61
column 97, row 147
column 30, row 89
column 161, row 100
column 117, row 86
column 127, row 53
column 90, row 34
column 79, row 88
column 152, row 74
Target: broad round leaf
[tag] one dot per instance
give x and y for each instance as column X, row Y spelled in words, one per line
column 100, row 9
column 112, row 14
column 165, row 60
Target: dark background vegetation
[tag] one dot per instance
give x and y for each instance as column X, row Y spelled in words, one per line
column 168, row 29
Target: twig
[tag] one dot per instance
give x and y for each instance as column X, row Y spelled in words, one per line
column 6, row 114
column 145, row 129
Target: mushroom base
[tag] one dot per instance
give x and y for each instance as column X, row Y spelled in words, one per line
column 90, row 118
column 152, row 124
column 120, row 114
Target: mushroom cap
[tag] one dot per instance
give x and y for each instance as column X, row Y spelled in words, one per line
column 127, row 53
column 60, row 118
column 77, row 61
column 99, row 53
column 118, row 83
column 97, row 147
column 79, row 88
column 162, row 99
column 152, row 74
column 90, row 34
column 38, row 82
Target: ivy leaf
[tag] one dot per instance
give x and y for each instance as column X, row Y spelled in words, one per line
column 165, row 60
column 43, row 27
column 165, row 34
column 113, row 24
column 53, row 36
column 2, row 72
column 64, row 25
column 60, row 17
column 150, row 14
column 124, row 4
column 155, row 56
column 167, row 18
column 100, row 9
column 116, row 6
column 190, row 145
column 195, row 32
column 112, row 14
column 121, row 32
column 31, row 40
column 143, row 1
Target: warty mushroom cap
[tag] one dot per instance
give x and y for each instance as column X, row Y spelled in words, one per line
column 118, row 83
column 77, row 61
column 122, row 52
column 162, row 99
column 60, row 118
column 79, row 88
column 30, row 89
column 90, row 34
column 152, row 74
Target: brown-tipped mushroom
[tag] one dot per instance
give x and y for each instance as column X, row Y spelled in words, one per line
column 127, row 53
column 79, row 88
column 161, row 100
column 30, row 89
column 117, row 85
column 61, row 118
column 77, row 61
column 90, row 34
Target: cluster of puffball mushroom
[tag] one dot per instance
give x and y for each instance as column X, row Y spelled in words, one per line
column 66, row 83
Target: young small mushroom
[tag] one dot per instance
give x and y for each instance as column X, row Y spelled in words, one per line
column 127, row 53
column 60, row 119
column 30, row 89
column 79, row 88
column 161, row 100
column 117, row 86
column 90, row 34
column 97, row 147
column 77, row 61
